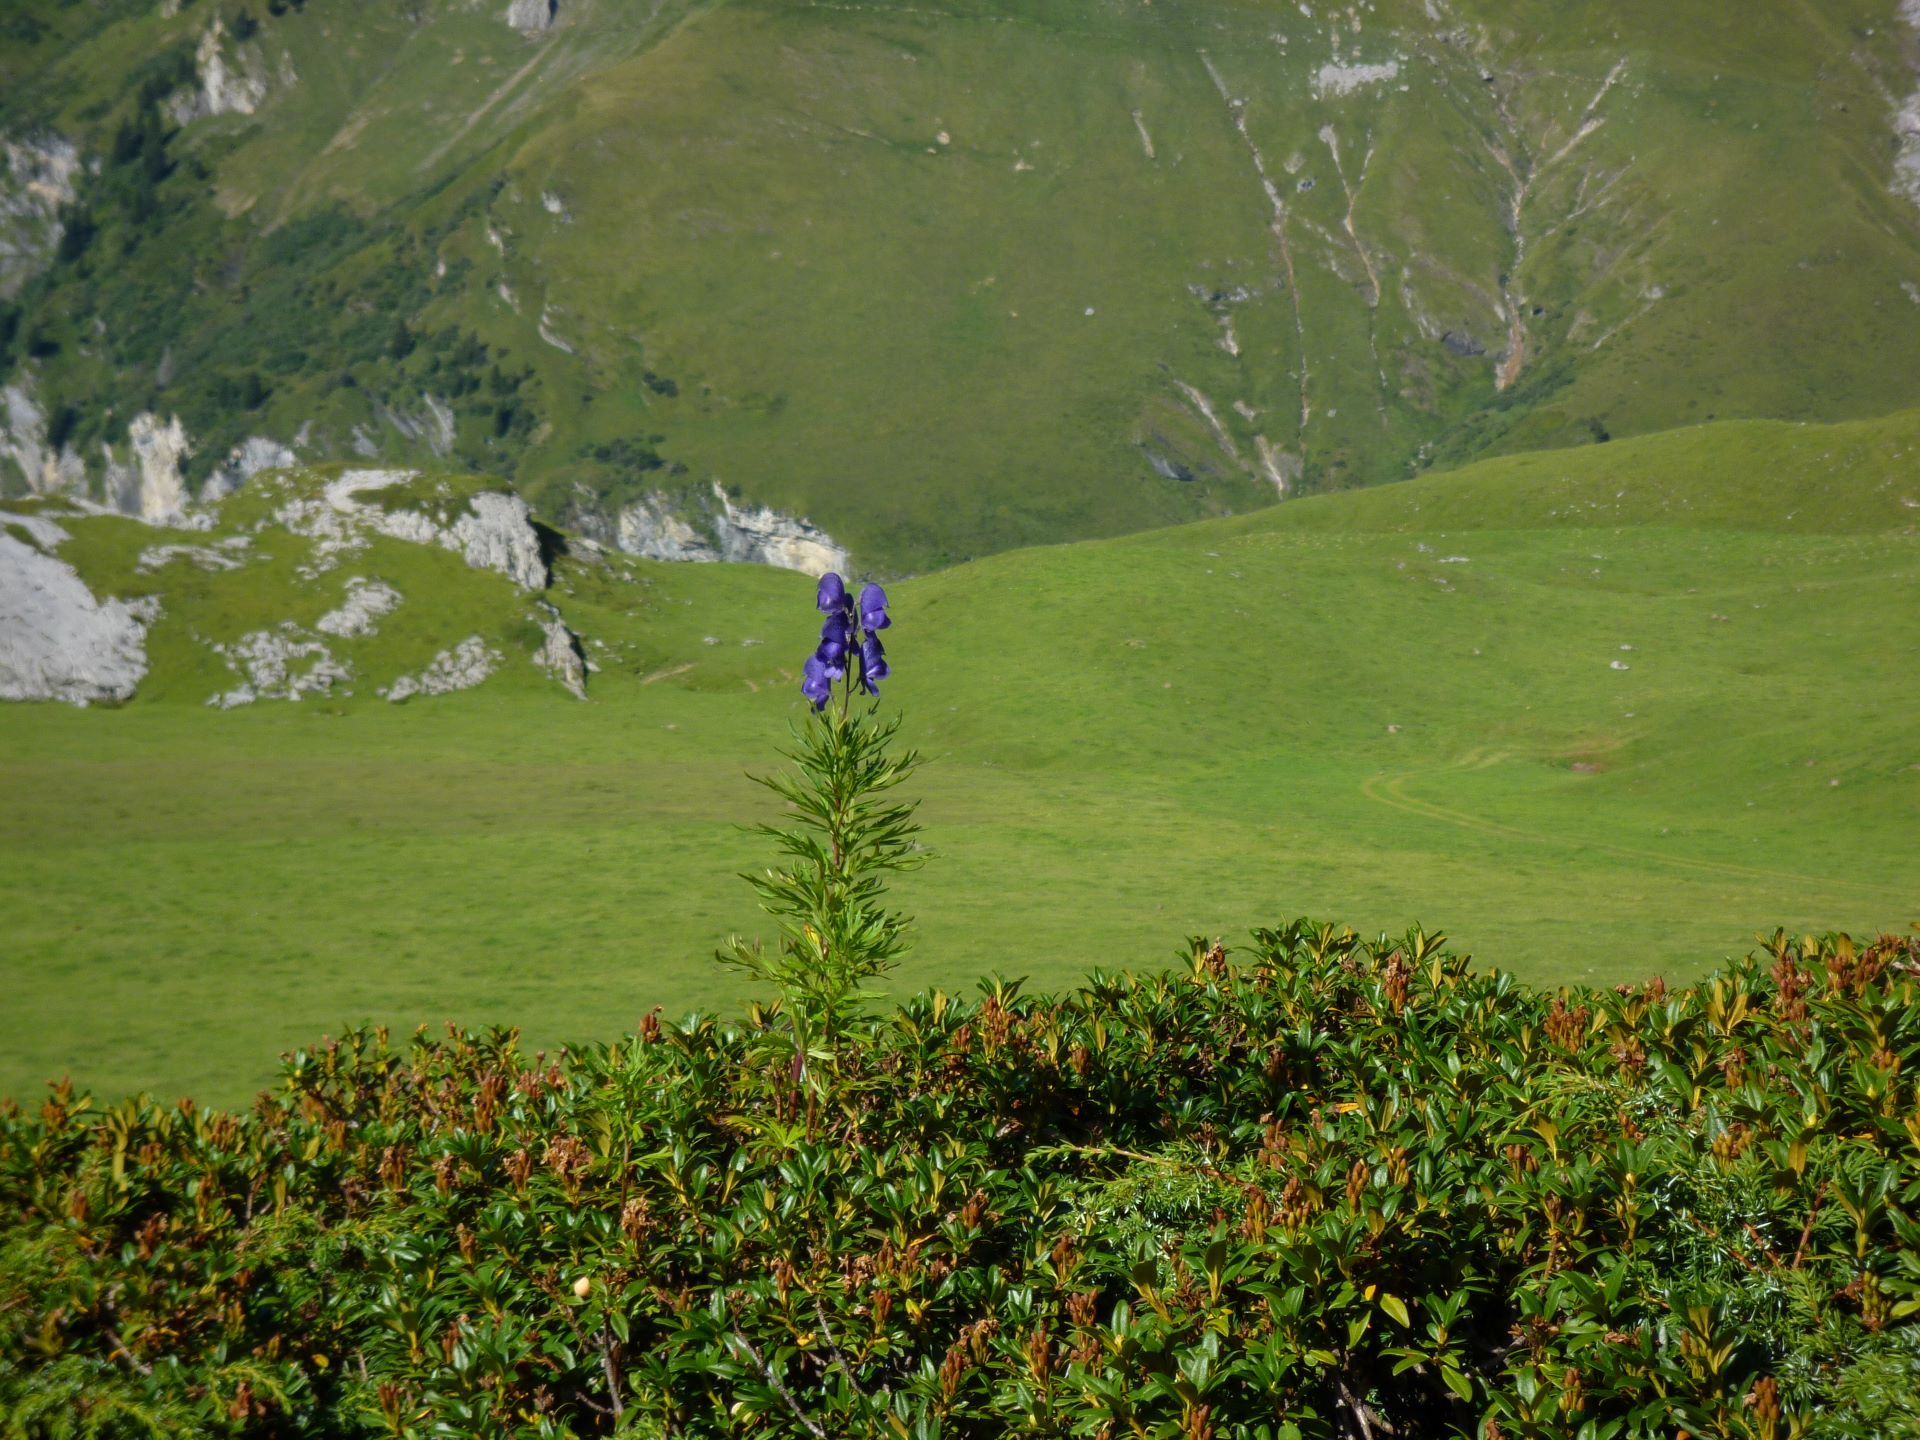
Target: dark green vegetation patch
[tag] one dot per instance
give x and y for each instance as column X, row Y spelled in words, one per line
column 1316, row 1188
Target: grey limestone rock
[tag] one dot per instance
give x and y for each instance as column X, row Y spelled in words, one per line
column 746, row 534
column 246, row 460
column 232, row 80
column 562, row 656
column 461, row 668
column 281, row 664
column 360, row 612
column 494, row 532
column 531, row 17
column 220, row 556
column 37, row 175
column 57, row 640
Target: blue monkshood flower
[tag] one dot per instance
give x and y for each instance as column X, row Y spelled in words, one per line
column 817, row 683
column 835, row 636
column 832, row 595
column 873, row 608
column 873, row 660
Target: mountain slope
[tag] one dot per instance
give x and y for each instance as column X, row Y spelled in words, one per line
column 1598, row 712
column 943, row 280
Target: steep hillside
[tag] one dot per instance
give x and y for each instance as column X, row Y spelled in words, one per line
column 943, row 281
column 1600, row 707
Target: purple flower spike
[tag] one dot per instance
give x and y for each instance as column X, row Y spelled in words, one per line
column 816, row 684
column 832, row 595
column 873, row 661
column 873, row 608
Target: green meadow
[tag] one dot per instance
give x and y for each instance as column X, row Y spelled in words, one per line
column 1597, row 714
column 952, row 280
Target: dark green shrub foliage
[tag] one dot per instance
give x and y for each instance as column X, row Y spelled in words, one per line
column 1319, row 1187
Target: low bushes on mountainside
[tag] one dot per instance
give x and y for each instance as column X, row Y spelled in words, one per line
column 1321, row 1186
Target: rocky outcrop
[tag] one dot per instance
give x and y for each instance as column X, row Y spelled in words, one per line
column 148, row 484
column 280, row 664
column 763, row 536
column 461, row 668
column 497, row 533
column 1906, row 126
column 44, row 469
column 233, row 80
column 435, row 428
column 247, row 459
column 494, row 532
column 37, row 181
column 141, row 479
column 650, row 528
column 360, row 613
column 57, row 641
column 1334, row 79
column 211, row 558
column 562, row 655
column 751, row 535
column 532, row 17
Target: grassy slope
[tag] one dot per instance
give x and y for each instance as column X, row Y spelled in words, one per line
column 1128, row 740
column 890, row 333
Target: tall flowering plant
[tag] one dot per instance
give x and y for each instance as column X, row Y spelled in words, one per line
column 850, row 648
column 844, row 832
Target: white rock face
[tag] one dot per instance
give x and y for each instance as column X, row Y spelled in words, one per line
column 23, row 440
column 57, row 641
column 246, row 460
column 548, row 334
column 229, row 85
column 40, row 530
column 562, row 657
column 435, row 427
column 531, row 17
column 752, row 535
column 212, row 558
column 359, row 614
column 762, row 536
column 440, row 424
column 1906, row 127
column 36, row 182
column 150, row 485
column 495, row 532
column 461, row 668
column 649, row 528
column 282, row 664
column 1336, row 79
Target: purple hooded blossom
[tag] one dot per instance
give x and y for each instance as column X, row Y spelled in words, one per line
column 816, row 684
column 836, row 637
column 849, row 641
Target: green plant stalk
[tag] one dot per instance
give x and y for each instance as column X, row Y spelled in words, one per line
column 844, row 834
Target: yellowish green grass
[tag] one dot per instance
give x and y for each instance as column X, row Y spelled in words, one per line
column 1341, row 707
